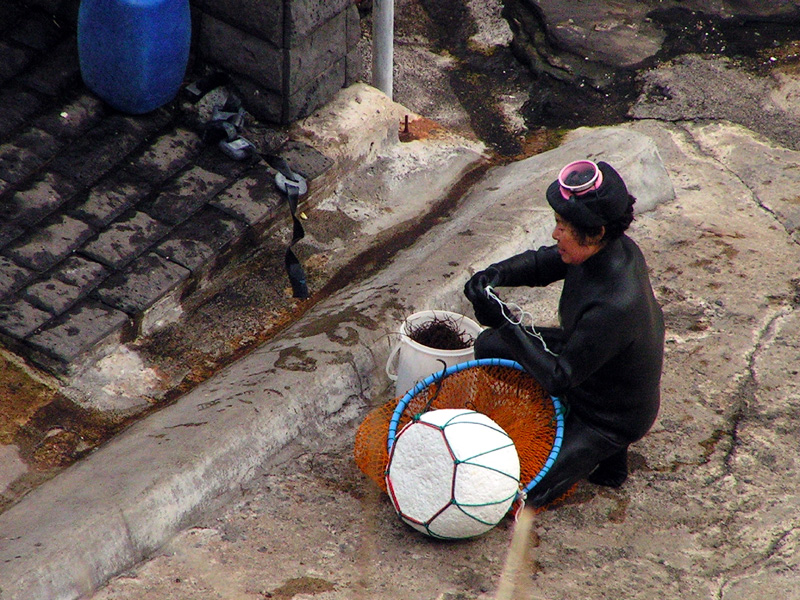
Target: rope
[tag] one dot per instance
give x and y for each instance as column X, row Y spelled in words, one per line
column 510, row 309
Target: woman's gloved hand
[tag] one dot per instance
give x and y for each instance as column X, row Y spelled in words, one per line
column 475, row 288
column 488, row 311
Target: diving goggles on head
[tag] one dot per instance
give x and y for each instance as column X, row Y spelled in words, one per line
column 578, row 178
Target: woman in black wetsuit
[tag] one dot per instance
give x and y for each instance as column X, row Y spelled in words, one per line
column 605, row 359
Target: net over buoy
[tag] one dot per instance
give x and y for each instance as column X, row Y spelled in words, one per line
column 453, row 473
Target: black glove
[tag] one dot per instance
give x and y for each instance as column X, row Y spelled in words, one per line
column 475, row 288
column 488, row 311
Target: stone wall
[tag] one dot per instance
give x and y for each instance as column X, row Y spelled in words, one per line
column 286, row 57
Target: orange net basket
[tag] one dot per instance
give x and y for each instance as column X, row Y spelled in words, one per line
column 497, row 388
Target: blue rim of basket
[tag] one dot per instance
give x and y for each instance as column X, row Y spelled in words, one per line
column 482, row 362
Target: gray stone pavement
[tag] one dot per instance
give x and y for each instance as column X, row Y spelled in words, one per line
column 104, row 215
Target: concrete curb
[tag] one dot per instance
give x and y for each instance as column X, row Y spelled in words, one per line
column 120, row 504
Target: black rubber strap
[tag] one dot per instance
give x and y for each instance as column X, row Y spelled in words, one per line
column 297, row 275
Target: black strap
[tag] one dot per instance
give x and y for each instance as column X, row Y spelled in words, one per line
column 294, row 269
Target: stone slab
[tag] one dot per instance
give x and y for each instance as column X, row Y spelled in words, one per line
column 186, row 194
column 252, row 198
column 79, row 330
column 236, row 51
column 316, row 53
column 44, row 247
column 38, row 199
column 65, row 285
column 12, row 276
column 325, row 85
column 99, row 150
column 125, row 240
column 306, row 17
column 305, row 160
column 51, row 295
column 26, row 153
column 74, row 118
column 255, row 17
column 166, row 155
column 80, row 272
column 199, row 240
column 110, row 198
column 9, row 232
column 266, row 105
column 142, row 284
column 19, row 318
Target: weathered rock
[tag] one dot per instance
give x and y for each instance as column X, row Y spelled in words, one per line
column 589, row 41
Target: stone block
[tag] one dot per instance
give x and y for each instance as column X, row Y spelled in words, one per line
column 125, row 240
column 197, row 242
column 80, row 272
column 305, row 159
column 9, row 232
column 265, row 105
column 185, row 195
column 307, row 16
column 304, row 101
column 12, row 276
column 110, row 198
column 149, row 123
column 239, row 52
column 73, row 119
column 354, row 67
column 142, row 284
column 214, row 160
column 51, row 295
column 353, row 24
column 40, row 198
column 316, row 53
column 78, row 330
column 166, row 155
column 19, row 318
column 101, row 148
column 65, row 285
column 26, row 153
column 253, row 198
column 263, row 19
column 44, row 247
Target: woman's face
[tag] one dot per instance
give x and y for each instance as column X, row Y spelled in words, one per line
column 572, row 249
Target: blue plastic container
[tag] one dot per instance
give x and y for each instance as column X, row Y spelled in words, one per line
column 133, row 53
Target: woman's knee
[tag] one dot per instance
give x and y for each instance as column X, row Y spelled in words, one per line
column 488, row 344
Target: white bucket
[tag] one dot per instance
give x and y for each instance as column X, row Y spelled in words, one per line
column 415, row 361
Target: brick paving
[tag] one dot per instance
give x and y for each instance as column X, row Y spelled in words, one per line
column 103, row 214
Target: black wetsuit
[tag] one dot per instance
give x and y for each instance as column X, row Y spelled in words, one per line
column 609, row 356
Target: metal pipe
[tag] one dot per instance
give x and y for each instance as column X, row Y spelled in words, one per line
column 383, row 45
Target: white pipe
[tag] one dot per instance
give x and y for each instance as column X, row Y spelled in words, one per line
column 383, row 45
